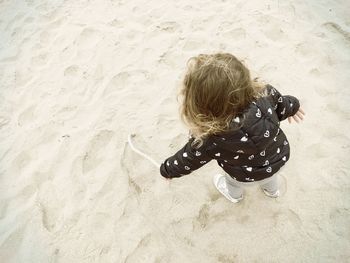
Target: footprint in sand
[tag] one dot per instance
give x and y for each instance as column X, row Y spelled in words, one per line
column 191, row 45
column 235, row 34
column 65, row 113
column 339, row 218
column 49, row 205
column 71, row 71
column 95, row 149
column 134, row 186
column 315, row 72
column 305, row 50
column 176, row 139
column 290, row 216
column 201, row 221
column 268, row 68
column 48, row 219
column 272, row 28
column 21, row 161
column 126, row 79
column 29, row 20
column 225, row 25
column 45, row 38
column 22, row 77
column 55, row 24
column 169, row 27
column 39, row 60
column 27, row 116
column 11, row 240
column 68, row 53
column 169, row 59
column 14, row 21
column 117, row 83
column 88, row 38
column 275, row 33
column 116, row 23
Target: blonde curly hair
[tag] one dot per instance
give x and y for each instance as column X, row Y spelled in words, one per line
column 216, row 88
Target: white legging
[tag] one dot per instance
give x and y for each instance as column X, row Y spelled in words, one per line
column 235, row 188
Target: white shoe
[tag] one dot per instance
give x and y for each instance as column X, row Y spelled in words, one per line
column 219, row 181
column 273, row 195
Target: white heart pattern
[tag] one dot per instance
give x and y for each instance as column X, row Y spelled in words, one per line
column 185, row 154
column 175, row 162
column 225, row 161
column 167, row 163
column 244, row 139
column 249, row 179
column 275, row 139
column 236, row 119
column 249, row 169
column 269, row 169
column 258, row 114
column 221, row 164
column 269, row 111
column 278, row 150
column 240, row 151
column 217, row 154
column 267, row 134
column 202, row 162
column 251, row 157
column 280, row 99
column 284, row 111
column 187, row 168
column 236, row 157
column 291, row 105
column 284, row 158
column 266, row 163
column 198, row 153
column 262, row 153
column 285, row 143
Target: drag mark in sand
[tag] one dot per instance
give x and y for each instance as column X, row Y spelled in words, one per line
column 335, row 27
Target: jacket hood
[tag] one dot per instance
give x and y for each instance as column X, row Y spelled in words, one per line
column 251, row 131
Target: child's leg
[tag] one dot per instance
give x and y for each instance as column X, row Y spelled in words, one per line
column 271, row 185
column 228, row 188
column 234, row 189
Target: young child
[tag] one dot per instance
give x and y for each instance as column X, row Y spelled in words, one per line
column 235, row 121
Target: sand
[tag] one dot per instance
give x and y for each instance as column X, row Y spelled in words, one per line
column 77, row 77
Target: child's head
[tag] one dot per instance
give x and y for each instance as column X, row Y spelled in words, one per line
column 216, row 88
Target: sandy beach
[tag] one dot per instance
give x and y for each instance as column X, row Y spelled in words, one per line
column 77, row 77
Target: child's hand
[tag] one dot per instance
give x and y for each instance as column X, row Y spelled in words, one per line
column 299, row 116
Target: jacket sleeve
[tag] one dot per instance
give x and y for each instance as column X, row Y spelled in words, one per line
column 285, row 106
column 184, row 161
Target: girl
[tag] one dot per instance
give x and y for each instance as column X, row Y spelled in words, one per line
column 235, row 121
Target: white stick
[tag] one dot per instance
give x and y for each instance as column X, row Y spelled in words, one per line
column 139, row 152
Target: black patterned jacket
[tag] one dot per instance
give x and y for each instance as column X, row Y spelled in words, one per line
column 253, row 149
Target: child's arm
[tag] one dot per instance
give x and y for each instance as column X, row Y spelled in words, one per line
column 285, row 106
column 184, row 161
